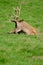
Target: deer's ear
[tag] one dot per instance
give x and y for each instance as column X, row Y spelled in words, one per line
column 21, row 20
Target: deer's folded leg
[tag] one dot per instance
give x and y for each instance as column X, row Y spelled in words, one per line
column 11, row 32
column 29, row 32
column 17, row 30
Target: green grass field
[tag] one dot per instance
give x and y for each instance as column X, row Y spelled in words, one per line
column 21, row 49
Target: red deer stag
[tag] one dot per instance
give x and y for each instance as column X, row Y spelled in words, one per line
column 21, row 25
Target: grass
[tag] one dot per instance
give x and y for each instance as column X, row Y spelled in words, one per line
column 21, row 49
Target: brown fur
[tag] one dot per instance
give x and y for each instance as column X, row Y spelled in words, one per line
column 21, row 25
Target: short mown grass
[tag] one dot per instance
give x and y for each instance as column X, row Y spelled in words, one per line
column 21, row 49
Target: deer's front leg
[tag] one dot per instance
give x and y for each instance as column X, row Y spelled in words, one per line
column 11, row 32
column 15, row 31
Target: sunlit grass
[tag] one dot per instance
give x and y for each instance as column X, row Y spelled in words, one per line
column 21, row 49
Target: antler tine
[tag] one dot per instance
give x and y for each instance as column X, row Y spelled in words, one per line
column 17, row 13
